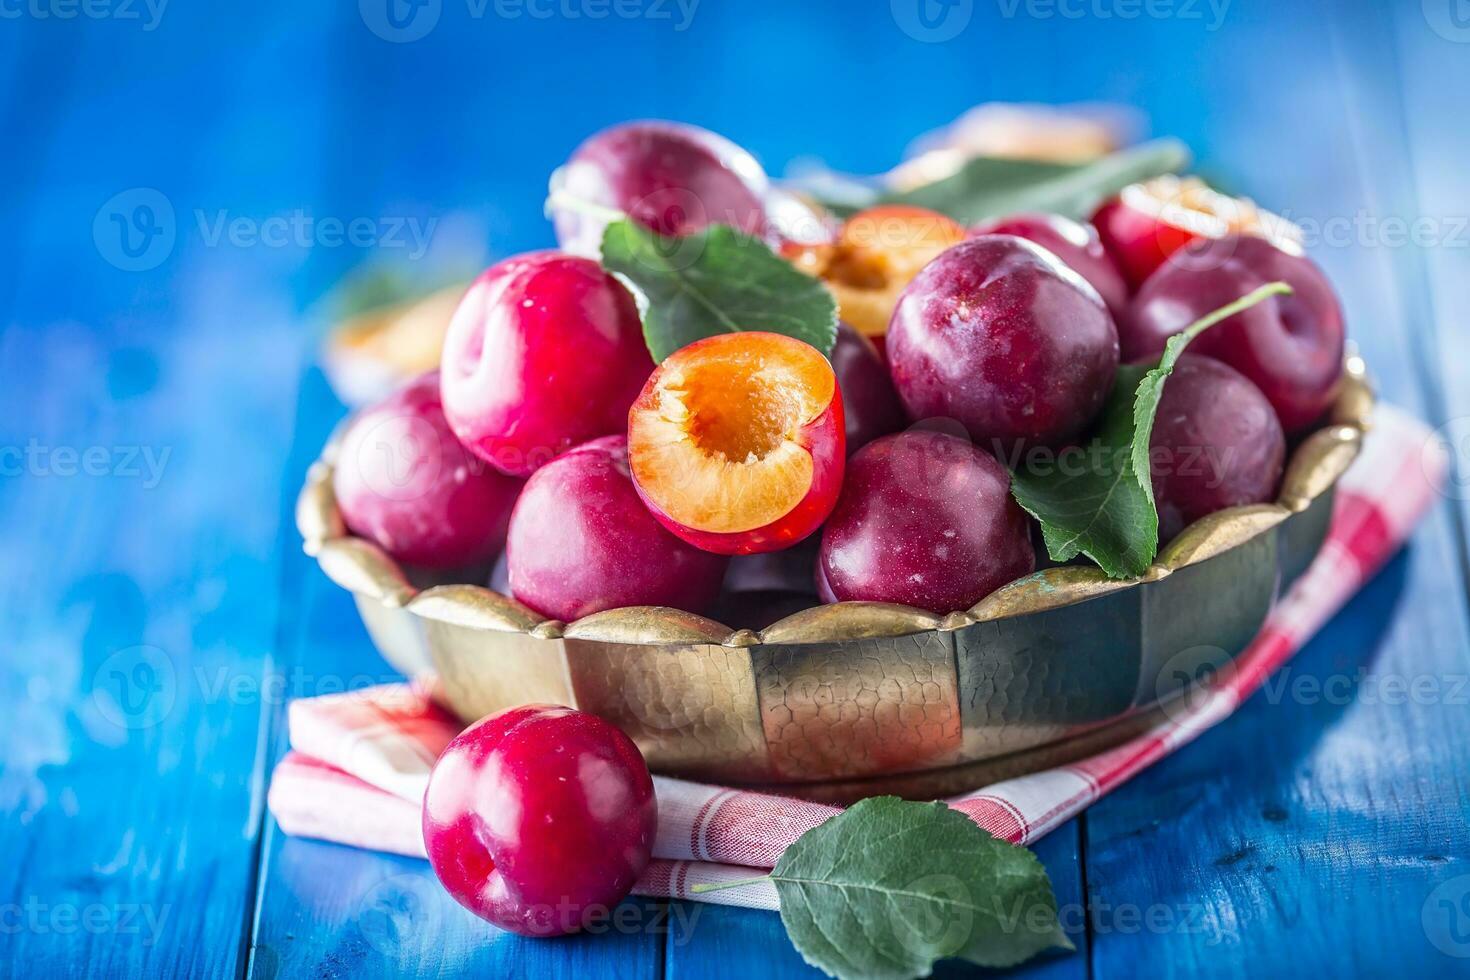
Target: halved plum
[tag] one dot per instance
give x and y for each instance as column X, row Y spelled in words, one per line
column 736, row 443
column 1148, row 222
column 876, row 254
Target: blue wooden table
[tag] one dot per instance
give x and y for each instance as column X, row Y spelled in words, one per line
column 169, row 178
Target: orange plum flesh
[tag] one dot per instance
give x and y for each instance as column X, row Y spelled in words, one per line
column 875, row 255
column 737, row 443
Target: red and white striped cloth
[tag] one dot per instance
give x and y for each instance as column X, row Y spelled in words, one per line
column 359, row 762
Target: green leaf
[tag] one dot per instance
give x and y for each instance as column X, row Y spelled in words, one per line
column 1089, row 500
column 716, row 281
column 988, row 187
column 887, row 887
column 1098, row 500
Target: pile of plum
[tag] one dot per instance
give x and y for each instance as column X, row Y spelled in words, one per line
column 753, row 461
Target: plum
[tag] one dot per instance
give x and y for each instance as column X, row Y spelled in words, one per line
column 670, row 177
column 927, row 520
column 545, row 352
column 1216, row 443
column 582, row 542
column 1290, row 346
column 870, row 405
column 737, row 442
column 1146, row 223
column 1076, row 244
column 539, row 819
column 998, row 334
column 405, row 483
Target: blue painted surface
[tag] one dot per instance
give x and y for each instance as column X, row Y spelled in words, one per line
column 155, row 606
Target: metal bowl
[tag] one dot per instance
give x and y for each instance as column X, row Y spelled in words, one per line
column 843, row 700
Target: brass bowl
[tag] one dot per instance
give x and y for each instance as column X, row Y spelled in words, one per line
column 842, row 700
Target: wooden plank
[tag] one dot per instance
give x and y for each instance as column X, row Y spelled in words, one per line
column 151, row 408
column 331, row 911
column 1308, row 833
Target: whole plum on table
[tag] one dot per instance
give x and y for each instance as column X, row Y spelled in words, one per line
column 1216, row 443
column 582, row 542
column 999, row 335
column 1290, row 346
column 403, row 481
column 927, row 520
column 669, row 177
column 539, row 818
column 545, row 352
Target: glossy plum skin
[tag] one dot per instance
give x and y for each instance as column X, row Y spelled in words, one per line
column 403, row 481
column 999, row 335
column 1076, row 244
column 1291, row 347
column 670, row 177
column 582, row 542
column 545, row 352
column 926, row 520
column 539, row 818
column 1137, row 241
column 870, row 405
column 1216, row 443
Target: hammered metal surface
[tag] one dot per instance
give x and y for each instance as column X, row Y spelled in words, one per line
column 694, row 707
column 482, row 671
column 1027, row 680
column 858, row 708
column 847, row 700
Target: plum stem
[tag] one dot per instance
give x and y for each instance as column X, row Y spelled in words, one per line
column 716, row 886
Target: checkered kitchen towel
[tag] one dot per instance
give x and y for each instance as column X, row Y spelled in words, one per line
column 360, row 761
